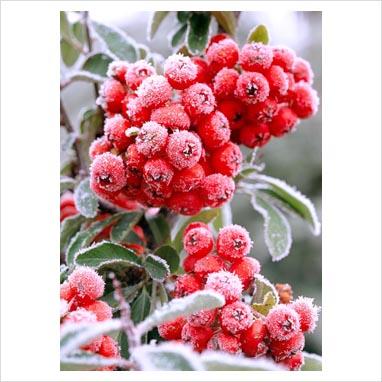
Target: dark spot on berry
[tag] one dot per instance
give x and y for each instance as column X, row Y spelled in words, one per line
column 252, row 89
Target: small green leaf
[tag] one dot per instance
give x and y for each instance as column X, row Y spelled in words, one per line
column 268, row 303
column 79, row 31
column 259, row 34
column 69, row 54
column 64, row 25
column 226, row 20
column 124, row 345
column 159, row 228
column 169, row 254
column 178, row 36
column 312, row 362
column 141, row 307
column 263, row 287
column 66, row 183
column 155, row 22
column 183, row 16
column 97, row 64
column 129, row 293
column 122, row 229
column 198, row 32
column 157, row 268
column 69, row 227
column 143, row 51
column 82, row 361
column 85, row 200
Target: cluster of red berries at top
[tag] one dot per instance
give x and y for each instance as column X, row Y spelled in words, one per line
column 79, row 304
column 236, row 327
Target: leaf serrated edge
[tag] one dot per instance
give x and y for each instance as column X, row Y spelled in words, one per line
column 161, row 261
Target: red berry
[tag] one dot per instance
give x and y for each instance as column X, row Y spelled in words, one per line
column 245, row 268
column 284, row 57
column 214, row 130
column 188, row 179
column 117, row 70
column 224, row 83
column 224, row 342
column 262, row 112
column 189, row 263
column 282, row 322
column 283, row 349
column 158, row 173
column 208, row 264
column 277, row 80
column 108, row 172
column 225, row 283
column 302, row 71
column 216, row 38
column 180, row 71
column 99, row 146
column 222, row 54
column 217, row 189
column 255, row 135
column 109, row 347
column 202, row 69
column 202, row 318
column 253, row 340
column 67, row 212
column 283, row 122
column 155, row 196
column 172, row 330
column 304, row 100
column 193, row 225
column 111, row 96
column 307, row 312
column 154, row 91
column 196, row 337
column 256, row 57
column 136, row 111
column 134, row 162
column 172, row 116
column 115, row 128
column 236, row 317
column 252, row 87
column 101, row 309
column 151, row 139
column 198, row 100
column 234, row 111
column 186, row 284
column 185, row 203
column 227, row 159
column 233, row 242
column 294, row 362
column 137, row 72
column 198, row 242
column 67, row 200
column 66, row 292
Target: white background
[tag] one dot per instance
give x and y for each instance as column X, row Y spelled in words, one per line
column 351, row 190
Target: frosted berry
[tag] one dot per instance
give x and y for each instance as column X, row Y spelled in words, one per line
column 224, row 83
column 284, row 57
column 227, row 159
column 282, row 322
column 214, row 130
column 158, row 173
column 117, row 70
column 111, row 96
column 196, row 337
column 255, row 135
column 202, row 318
column 109, row 347
column 245, row 268
column 302, row 71
column 198, row 99
column 188, row 179
column 189, row 263
column 282, row 349
column 154, row 91
column 256, row 57
column 185, row 203
column 216, row 38
column 225, row 283
column 222, row 54
column 136, row 111
column 277, row 80
column 224, row 342
column 217, row 189
column 186, row 284
column 253, row 339
column 101, row 309
column 195, row 225
column 234, row 111
column 99, row 146
column 134, row 162
column 304, row 100
column 172, row 116
column 202, row 74
column 172, row 330
column 155, row 196
column 262, row 112
column 294, row 362
column 115, row 128
column 180, row 71
column 183, row 149
column 283, row 122
column 66, row 292
column 108, row 172
column 236, row 317
column 252, row 87
column 307, row 312
column 151, row 139
column 208, row 264
column 198, row 242
column 233, row 242
column 137, row 72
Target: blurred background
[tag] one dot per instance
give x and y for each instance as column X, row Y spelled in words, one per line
column 296, row 158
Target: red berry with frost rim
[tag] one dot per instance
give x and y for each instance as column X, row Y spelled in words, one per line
column 186, row 284
column 183, row 149
column 202, row 318
column 277, row 80
column 172, row 116
column 252, row 87
column 158, row 173
column 134, row 162
column 137, row 72
column 283, row 122
column 185, row 203
column 117, row 70
column 236, row 317
column 108, row 172
column 256, row 57
column 180, row 71
column 302, row 71
column 234, row 111
column 115, row 128
column 282, row 349
column 208, row 264
column 136, row 111
column 284, row 57
column 189, row 263
column 172, row 330
column 253, row 339
column 224, row 83
column 198, row 242
column 151, row 139
column 202, row 74
column 217, row 189
column 99, row 146
column 111, row 96
column 196, row 337
column 262, row 112
column 109, row 347
column 225, row 283
column 294, row 362
column 304, row 100
column 282, row 322
column 233, row 242
column 66, row 292
column 224, row 342
column 154, row 91
column 188, row 179
column 255, row 135
column 214, row 130
column 198, row 100
column 222, row 54
column 245, row 268
column 155, row 196
column 227, row 159
column 216, row 38
column 307, row 312
column 195, row 225
column 101, row 309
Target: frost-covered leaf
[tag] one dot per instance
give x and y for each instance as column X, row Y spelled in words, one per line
column 198, row 32
column 69, row 54
column 166, row 356
column 72, row 40
column 263, row 287
column 82, row 75
column 219, row 361
column 82, row 360
column 177, row 38
column 183, row 16
column 63, row 273
column 66, row 183
column 259, row 34
column 79, row 31
column 226, row 20
column 159, row 228
column 123, row 344
column 69, row 227
column 312, row 362
column 67, row 154
column 266, row 305
column 129, row 293
column 85, row 200
column 122, row 229
column 185, row 306
column 169, row 254
column 105, row 253
column 140, row 308
column 64, row 25
column 154, row 23
column 157, row 267
column 277, row 232
column 224, row 217
column 116, row 41
column 143, row 51
column 97, row 64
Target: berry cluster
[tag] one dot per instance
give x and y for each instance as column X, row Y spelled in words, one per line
column 79, row 304
column 67, row 206
column 236, row 327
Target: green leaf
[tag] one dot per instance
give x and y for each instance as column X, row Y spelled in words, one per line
column 155, row 22
column 263, row 287
column 178, row 36
column 69, row 227
column 129, row 293
column 122, row 229
column 63, row 273
column 106, row 253
column 159, row 228
column 183, row 16
column 67, row 154
column 141, row 307
column 169, row 254
column 85, row 200
column 226, row 20
column 64, row 25
column 157, row 268
column 124, row 344
column 259, row 34
column 69, row 54
column 82, row 360
column 79, row 31
column 97, row 64
column 66, row 183
column 266, row 305
column 120, row 45
column 198, row 32
column 143, row 51
column 312, row 362
column 277, row 232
